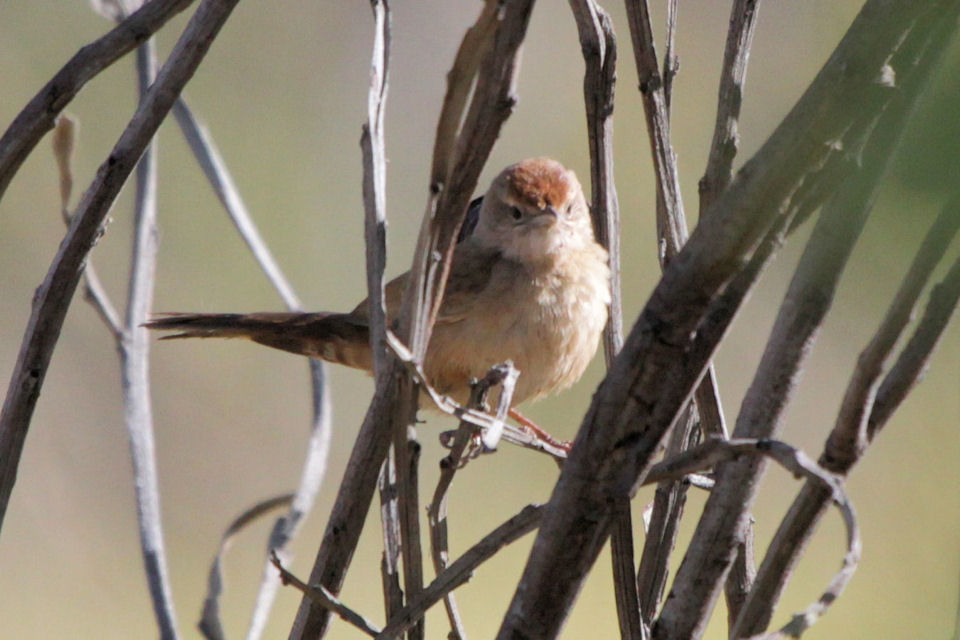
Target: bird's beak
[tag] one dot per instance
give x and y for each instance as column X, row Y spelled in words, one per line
column 547, row 216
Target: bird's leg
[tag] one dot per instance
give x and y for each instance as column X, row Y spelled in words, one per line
column 531, row 428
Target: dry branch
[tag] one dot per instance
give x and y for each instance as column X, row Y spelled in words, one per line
column 462, row 569
column 437, row 511
column 806, row 510
column 209, row 623
column 721, row 527
column 325, row 599
column 54, row 295
column 41, row 112
column 457, row 165
column 599, row 48
column 726, row 138
column 654, row 375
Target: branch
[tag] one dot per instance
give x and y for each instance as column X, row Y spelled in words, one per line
column 318, row 448
column 716, row 177
column 461, row 571
column 55, row 293
column 456, row 168
column 325, row 599
column 726, row 137
column 220, row 179
column 715, row 452
column 671, row 222
column 437, row 511
column 134, row 349
column 41, row 112
column 209, row 623
column 64, row 133
column 913, row 360
column 654, row 374
column 798, row 526
column 721, row 527
column 599, row 46
column 849, row 437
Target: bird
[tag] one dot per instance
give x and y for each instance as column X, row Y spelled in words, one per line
column 528, row 282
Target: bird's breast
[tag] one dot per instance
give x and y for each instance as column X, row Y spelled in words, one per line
column 547, row 318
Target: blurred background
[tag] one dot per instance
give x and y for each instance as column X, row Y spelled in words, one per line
column 283, row 91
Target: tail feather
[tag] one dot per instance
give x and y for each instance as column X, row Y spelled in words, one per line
column 335, row 337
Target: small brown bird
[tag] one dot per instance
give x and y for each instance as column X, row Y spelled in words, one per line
column 528, row 283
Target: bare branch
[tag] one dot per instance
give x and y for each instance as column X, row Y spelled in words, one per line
column 390, row 528
column 726, row 137
column 452, row 183
column 437, row 511
column 39, row 115
column 798, row 525
column 93, row 291
column 599, row 46
column 804, row 308
column 654, row 374
column 54, row 295
column 210, row 618
column 375, row 183
column 909, row 367
column 135, row 366
column 849, row 437
column 214, row 168
column 671, row 63
column 717, row 175
column 671, row 222
column 721, row 527
column 714, row 452
column 325, row 599
column 460, row 571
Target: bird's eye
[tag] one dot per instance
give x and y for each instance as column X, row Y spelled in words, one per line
column 516, row 214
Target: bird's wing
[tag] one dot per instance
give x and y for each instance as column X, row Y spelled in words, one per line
column 470, row 274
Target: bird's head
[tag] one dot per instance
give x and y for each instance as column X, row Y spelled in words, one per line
column 534, row 209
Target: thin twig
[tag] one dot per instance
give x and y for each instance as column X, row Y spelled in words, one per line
column 849, row 437
column 437, row 510
column 135, row 367
column 64, row 134
column 599, row 47
column 810, row 504
column 726, row 137
column 485, row 421
column 325, row 599
column 651, row 379
column 41, row 112
column 715, row 452
column 56, row 291
column 910, row 365
column 664, row 522
column 671, row 222
column 390, row 528
column 462, row 569
column 219, row 177
column 716, row 177
column 210, row 618
column 456, row 168
column 722, row 525
column 671, row 63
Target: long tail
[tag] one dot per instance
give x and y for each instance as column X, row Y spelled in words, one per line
column 335, row 337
